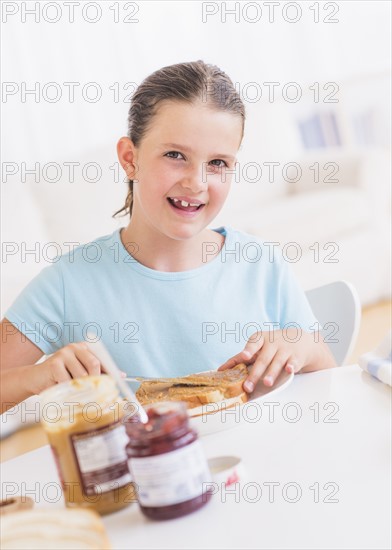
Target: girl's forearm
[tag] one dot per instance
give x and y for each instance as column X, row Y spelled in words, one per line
column 320, row 358
column 17, row 385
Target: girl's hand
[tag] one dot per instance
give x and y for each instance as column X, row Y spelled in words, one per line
column 71, row 361
column 271, row 352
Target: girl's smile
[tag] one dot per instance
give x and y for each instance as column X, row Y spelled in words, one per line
column 185, row 206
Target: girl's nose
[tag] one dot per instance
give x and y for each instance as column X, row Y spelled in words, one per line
column 196, row 180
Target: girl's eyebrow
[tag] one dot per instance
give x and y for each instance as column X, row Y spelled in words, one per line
column 189, row 150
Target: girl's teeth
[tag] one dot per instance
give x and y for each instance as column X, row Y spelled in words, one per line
column 185, row 206
column 184, row 203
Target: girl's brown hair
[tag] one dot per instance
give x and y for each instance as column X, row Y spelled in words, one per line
column 186, row 82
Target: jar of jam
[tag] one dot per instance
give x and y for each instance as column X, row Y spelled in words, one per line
column 167, row 462
column 83, row 421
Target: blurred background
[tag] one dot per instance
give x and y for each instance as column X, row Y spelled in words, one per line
column 314, row 166
column 314, row 163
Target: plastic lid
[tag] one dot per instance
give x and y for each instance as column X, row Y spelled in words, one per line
column 226, row 469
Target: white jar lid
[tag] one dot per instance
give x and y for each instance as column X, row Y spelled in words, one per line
column 226, row 469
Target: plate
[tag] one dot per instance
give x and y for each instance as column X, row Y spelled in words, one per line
column 243, row 413
column 238, row 414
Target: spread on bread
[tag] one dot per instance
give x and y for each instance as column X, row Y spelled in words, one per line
column 220, row 387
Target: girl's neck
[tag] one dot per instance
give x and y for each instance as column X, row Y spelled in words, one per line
column 157, row 251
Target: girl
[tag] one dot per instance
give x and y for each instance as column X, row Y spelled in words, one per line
column 166, row 294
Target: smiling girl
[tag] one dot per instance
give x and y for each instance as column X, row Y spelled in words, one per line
column 166, row 294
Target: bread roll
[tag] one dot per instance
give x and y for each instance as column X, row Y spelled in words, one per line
column 46, row 529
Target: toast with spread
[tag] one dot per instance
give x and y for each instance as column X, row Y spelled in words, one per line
column 224, row 388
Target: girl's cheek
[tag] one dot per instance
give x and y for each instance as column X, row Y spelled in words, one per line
column 216, row 201
column 220, row 189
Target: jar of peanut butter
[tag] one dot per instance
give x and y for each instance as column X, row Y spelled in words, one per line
column 82, row 419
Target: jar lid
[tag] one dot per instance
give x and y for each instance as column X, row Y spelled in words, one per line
column 226, row 469
column 78, row 392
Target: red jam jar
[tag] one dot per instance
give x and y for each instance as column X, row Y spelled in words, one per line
column 167, row 462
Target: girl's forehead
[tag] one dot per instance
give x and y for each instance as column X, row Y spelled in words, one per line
column 186, row 108
column 174, row 121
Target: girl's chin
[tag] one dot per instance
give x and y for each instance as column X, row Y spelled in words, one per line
column 185, row 231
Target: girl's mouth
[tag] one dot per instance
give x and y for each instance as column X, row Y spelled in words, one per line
column 183, row 208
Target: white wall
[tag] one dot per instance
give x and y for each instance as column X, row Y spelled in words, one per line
column 107, row 53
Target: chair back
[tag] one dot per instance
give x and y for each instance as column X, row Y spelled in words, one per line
column 337, row 308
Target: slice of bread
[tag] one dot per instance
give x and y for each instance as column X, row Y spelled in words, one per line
column 223, row 387
column 68, row 528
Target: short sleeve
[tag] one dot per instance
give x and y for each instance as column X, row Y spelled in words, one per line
column 38, row 311
column 293, row 303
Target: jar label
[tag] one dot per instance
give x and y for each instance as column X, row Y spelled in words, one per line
column 101, row 459
column 171, row 477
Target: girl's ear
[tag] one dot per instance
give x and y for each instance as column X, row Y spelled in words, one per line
column 127, row 154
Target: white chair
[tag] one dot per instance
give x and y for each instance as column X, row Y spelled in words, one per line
column 338, row 310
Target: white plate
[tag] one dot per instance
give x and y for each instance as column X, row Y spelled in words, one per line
column 240, row 414
column 226, row 419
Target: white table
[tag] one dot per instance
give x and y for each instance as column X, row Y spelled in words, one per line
column 352, row 455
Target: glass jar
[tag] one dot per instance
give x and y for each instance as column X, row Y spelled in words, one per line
column 83, row 421
column 167, row 462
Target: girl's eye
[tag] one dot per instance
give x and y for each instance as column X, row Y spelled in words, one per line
column 173, row 153
column 219, row 165
column 215, row 162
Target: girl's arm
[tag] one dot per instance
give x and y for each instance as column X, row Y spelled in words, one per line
column 22, row 378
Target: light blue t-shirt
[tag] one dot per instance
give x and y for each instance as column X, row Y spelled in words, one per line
column 158, row 323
